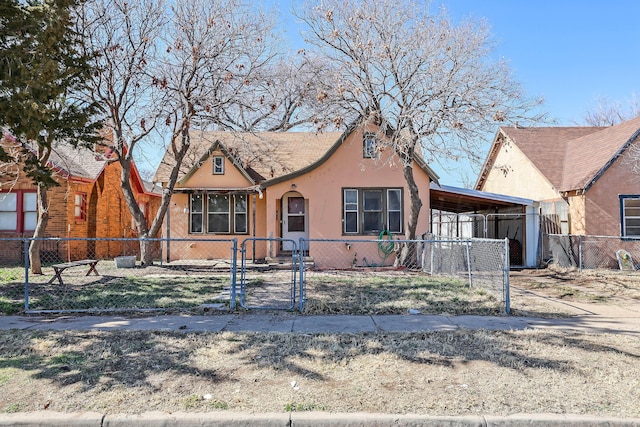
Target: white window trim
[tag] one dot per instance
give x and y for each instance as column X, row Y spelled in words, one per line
column 369, row 146
column 218, row 169
column 624, row 217
column 360, row 209
column 231, row 213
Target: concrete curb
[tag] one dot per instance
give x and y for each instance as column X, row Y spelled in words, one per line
column 309, row 419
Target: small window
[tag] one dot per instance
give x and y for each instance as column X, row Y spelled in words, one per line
column 218, row 165
column 240, row 214
column 80, row 207
column 369, row 146
column 350, row 211
column 196, row 214
column 29, row 211
column 394, row 210
column 630, row 212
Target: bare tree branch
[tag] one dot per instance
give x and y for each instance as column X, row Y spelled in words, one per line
column 430, row 85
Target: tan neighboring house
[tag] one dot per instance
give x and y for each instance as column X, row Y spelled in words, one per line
column 287, row 186
column 583, row 177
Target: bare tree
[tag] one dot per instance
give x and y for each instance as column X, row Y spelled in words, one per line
column 174, row 68
column 126, row 36
column 430, row 85
column 277, row 101
column 607, row 112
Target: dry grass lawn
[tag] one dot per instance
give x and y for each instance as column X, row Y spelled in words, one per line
column 437, row 373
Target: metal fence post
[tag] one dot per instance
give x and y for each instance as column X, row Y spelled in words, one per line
column 234, row 274
column 301, row 272
column 469, row 262
column 433, row 249
column 580, row 253
column 507, row 265
column 26, row 275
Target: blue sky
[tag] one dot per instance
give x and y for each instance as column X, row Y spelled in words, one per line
column 568, row 52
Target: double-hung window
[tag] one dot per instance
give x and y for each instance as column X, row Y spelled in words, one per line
column 630, row 216
column 219, row 213
column 351, row 211
column 372, row 210
column 196, row 212
column 18, row 211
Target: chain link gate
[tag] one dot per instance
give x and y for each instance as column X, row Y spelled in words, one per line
column 265, row 282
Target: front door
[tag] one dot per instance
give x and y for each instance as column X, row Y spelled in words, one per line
column 295, row 222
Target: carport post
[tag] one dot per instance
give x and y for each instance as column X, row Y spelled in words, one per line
column 469, row 262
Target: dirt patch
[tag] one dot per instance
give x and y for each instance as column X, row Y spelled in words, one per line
column 448, row 373
column 541, row 292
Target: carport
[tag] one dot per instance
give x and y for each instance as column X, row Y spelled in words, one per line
column 463, row 213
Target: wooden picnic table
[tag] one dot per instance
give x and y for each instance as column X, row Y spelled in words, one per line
column 59, row 268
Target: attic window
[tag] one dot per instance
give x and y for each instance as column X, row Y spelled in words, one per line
column 369, row 146
column 218, row 165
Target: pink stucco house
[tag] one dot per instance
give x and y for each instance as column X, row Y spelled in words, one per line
column 586, row 178
column 289, row 185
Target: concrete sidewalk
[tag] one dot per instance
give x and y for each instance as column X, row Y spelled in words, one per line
column 626, row 323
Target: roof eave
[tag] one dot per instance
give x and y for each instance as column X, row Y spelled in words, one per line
column 216, row 145
column 490, row 160
column 314, row 165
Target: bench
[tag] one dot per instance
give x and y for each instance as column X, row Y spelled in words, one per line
column 59, row 268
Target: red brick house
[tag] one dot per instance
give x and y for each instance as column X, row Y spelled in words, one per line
column 88, row 203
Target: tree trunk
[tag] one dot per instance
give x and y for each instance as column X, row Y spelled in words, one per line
column 41, row 226
column 179, row 150
column 408, row 252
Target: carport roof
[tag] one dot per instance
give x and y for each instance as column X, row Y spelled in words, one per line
column 464, row 200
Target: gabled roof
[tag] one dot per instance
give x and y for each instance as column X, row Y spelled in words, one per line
column 570, row 158
column 78, row 162
column 84, row 164
column 266, row 157
column 588, row 157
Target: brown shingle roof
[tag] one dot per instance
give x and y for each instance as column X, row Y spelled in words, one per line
column 264, row 155
column 572, row 157
column 78, row 162
column 546, row 147
column 588, row 156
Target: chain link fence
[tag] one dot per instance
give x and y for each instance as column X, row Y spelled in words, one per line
column 88, row 275
column 586, row 252
column 400, row 276
column 381, row 276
